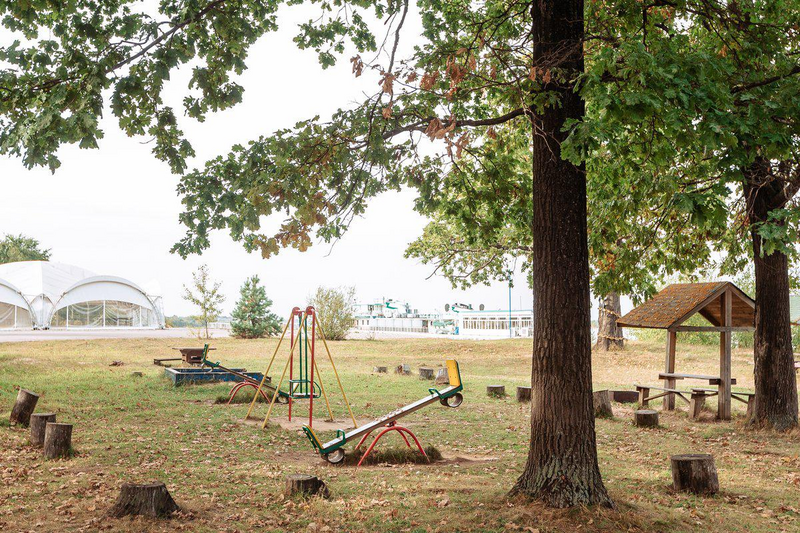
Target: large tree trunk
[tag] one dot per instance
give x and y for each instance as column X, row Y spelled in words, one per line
column 562, row 468
column 775, row 378
column 609, row 335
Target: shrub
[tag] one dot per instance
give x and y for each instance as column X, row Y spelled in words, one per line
column 335, row 310
column 252, row 318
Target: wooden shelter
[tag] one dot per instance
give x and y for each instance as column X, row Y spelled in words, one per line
column 722, row 304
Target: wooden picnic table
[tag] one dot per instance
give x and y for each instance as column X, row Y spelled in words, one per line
column 712, row 380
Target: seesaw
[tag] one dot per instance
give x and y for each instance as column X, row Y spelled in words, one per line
column 333, row 451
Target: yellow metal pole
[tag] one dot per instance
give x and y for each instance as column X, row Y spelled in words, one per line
column 321, row 386
column 283, row 375
column 266, row 372
column 330, row 357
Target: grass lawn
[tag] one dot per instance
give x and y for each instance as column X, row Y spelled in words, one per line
column 228, row 476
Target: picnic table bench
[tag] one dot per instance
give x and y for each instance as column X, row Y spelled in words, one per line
column 697, row 397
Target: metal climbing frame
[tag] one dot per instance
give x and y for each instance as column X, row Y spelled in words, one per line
column 305, row 386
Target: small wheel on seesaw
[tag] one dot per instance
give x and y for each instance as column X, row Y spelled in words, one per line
column 335, row 457
column 452, row 401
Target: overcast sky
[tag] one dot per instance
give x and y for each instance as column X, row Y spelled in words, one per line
column 115, row 210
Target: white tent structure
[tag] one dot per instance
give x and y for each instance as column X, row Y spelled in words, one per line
column 43, row 295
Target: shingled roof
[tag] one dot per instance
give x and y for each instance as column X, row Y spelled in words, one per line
column 676, row 303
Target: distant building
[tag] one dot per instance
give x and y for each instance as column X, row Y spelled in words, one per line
column 500, row 323
column 44, row 295
column 457, row 319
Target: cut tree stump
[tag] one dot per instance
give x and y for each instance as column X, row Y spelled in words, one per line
column 380, row 369
column 694, row 472
column 305, row 485
column 497, row 391
column 148, row 499
column 523, row 394
column 645, row 418
column 23, row 407
column 625, row 396
column 403, row 369
column 602, row 404
column 57, row 440
column 136, row 374
column 442, row 377
column 38, row 425
column 425, row 372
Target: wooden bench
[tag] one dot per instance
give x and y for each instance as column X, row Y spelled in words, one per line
column 698, row 398
column 644, row 393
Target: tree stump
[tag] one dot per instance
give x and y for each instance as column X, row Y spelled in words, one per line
column 602, row 404
column 523, row 394
column 23, row 407
column 148, row 499
column 645, row 418
column 38, row 425
column 497, row 391
column 694, row 472
column 425, row 372
column 305, row 485
column 57, row 440
column 625, row 396
column 136, row 374
column 403, row 369
column 442, row 377
column 380, row 369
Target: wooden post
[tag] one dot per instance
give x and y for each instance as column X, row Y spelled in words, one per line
column 150, row 499
column 696, row 403
column 442, row 377
column 694, row 473
column 425, row 372
column 523, row 394
column 23, row 407
column 57, row 440
column 669, row 367
column 724, row 396
column 38, row 425
column 644, row 393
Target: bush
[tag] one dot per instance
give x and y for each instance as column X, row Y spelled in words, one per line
column 252, row 318
column 335, row 310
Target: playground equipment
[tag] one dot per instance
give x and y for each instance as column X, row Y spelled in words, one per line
column 246, row 381
column 333, row 451
column 304, row 386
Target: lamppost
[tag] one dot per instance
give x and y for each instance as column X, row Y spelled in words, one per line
column 510, row 279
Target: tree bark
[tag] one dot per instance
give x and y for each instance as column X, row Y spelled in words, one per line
column 609, row 335
column 775, row 378
column 23, row 407
column 561, row 469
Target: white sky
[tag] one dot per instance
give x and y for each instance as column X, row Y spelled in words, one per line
column 115, row 210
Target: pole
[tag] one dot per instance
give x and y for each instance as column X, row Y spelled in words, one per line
column 313, row 314
column 510, row 332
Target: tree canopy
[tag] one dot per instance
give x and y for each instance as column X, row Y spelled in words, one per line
column 15, row 248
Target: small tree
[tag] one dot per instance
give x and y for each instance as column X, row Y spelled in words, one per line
column 252, row 318
column 204, row 293
column 15, row 248
column 335, row 310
